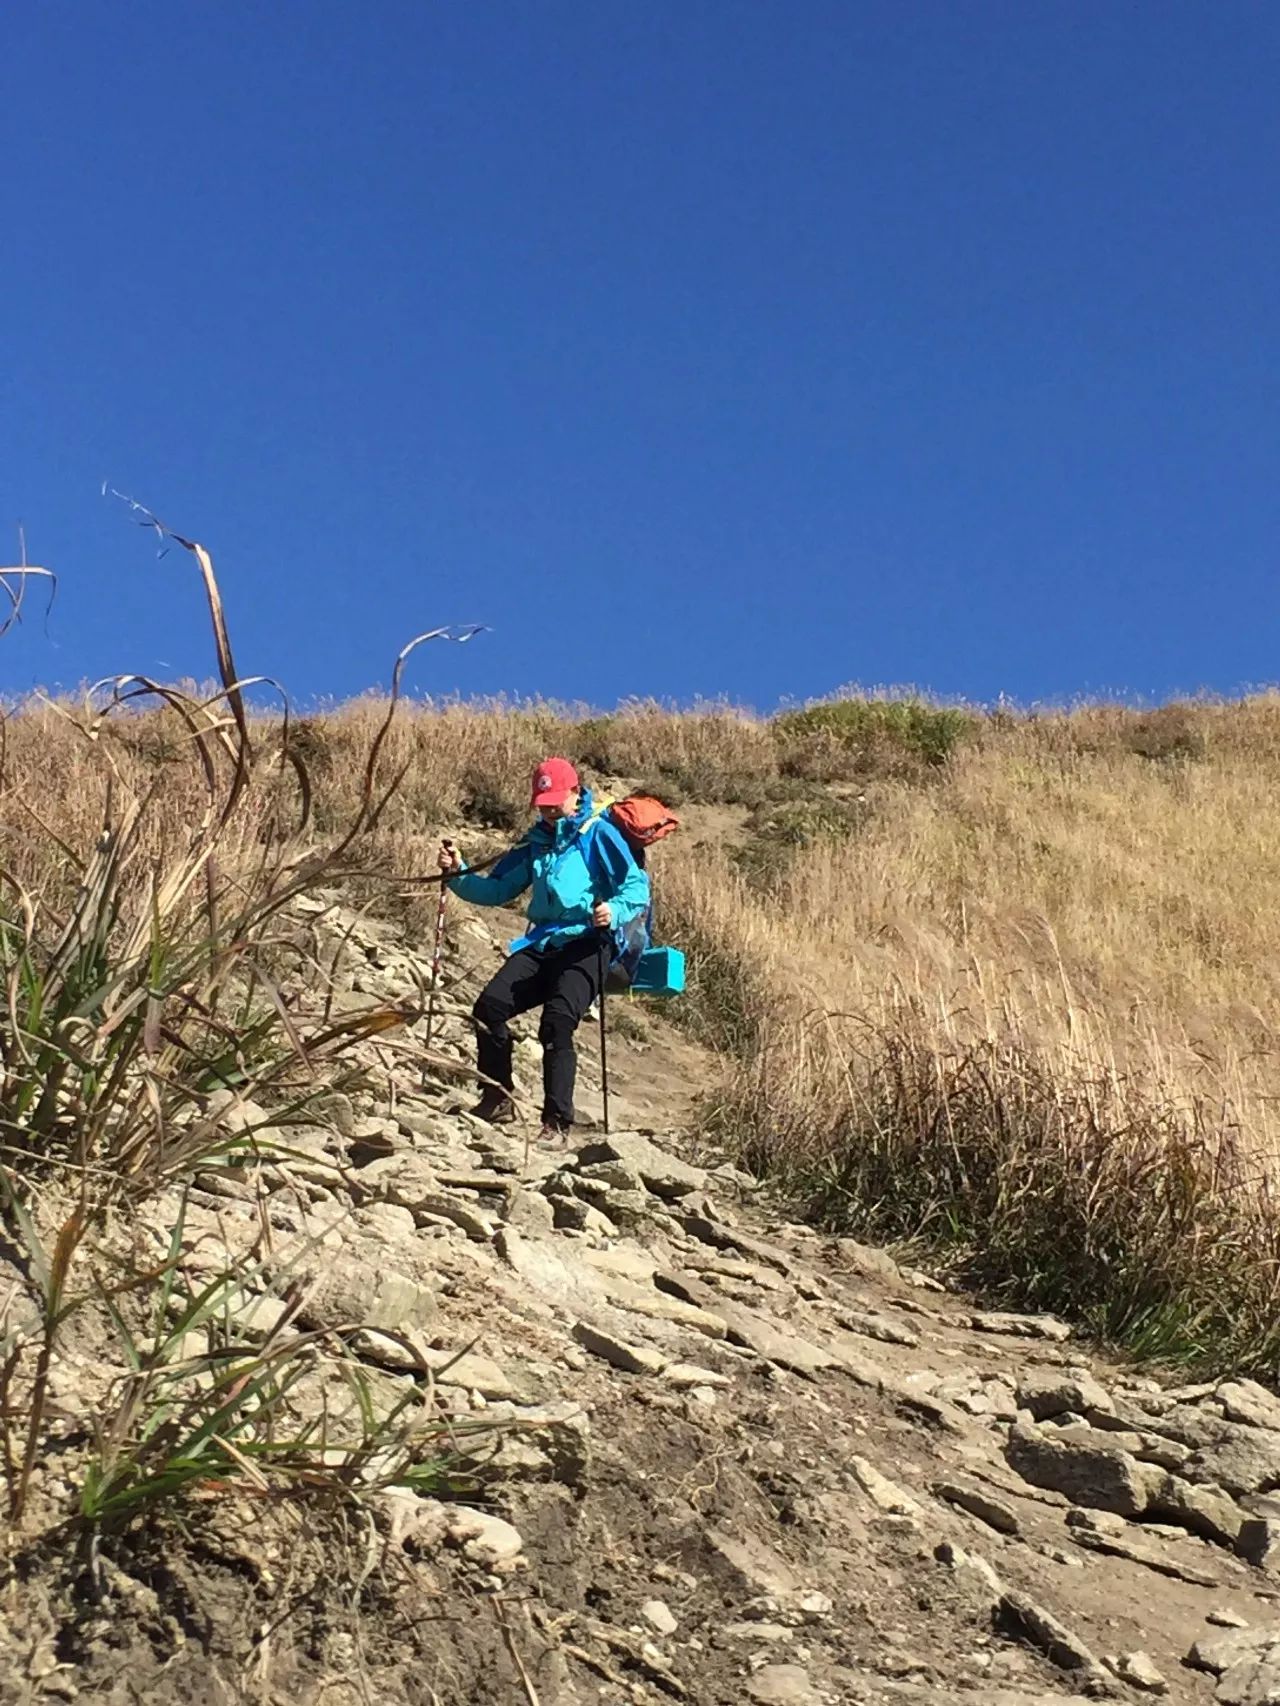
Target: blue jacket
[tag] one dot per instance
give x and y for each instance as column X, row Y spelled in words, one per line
column 570, row 866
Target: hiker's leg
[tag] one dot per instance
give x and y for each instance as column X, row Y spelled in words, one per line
column 574, row 980
column 514, row 989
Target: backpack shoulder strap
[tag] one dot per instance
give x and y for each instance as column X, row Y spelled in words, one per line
column 606, row 852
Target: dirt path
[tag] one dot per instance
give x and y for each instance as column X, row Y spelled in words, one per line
column 732, row 1461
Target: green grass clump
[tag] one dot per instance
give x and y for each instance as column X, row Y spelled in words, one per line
column 848, row 738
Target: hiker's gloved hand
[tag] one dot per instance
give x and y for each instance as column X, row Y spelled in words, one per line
column 450, row 860
column 602, row 917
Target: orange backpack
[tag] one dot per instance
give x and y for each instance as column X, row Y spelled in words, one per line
column 641, row 820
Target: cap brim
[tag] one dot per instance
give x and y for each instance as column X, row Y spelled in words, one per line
column 550, row 799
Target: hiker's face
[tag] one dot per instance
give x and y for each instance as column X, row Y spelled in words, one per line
column 553, row 814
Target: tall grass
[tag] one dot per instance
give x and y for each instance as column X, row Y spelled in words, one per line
column 154, row 841
column 1028, row 1013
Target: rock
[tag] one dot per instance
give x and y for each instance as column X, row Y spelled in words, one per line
column 631, row 1359
column 373, row 1137
column 866, row 1261
column 957, row 1389
column 385, row 1221
column 492, row 1456
column 754, row 1567
column 782, row 1685
column 335, row 1108
column 726, row 1173
column 448, row 1368
column 1020, row 1326
column 229, row 1179
column 1023, row 1617
column 1097, row 1522
column 1185, row 1423
column 483, row 1537
column 923, row 1405
column 661, row 1306
column 1203, row 1510
column 1115, row 1545
column 814, row 1606
column 414, row 1524
column 417, row 1120
column 470, row 1371
column 257, row 1316
column 665, row 1175
column 1243, row 1460
column 528, row 1211
column 1259, row 1543
column 465, row 1216
column 361, row 1290
column 971, row 1567
column 1076, row 1431
column 626, row 1261
column 685, row 1374
column 575, row 1215
column 657, row 1614
column 994, row 1512
column 404, row 1178
column 755, row 1274
column 1101, row 1478
column 1224, row 1618
column 563, row 1432
column 544, row 1272
column 873, row 1325
column 924, row 1694
column 774, row 1343
column 630, row 1211
column 242, row 1116
column 614, row 1175
column 883, row 1493
column 1139, row 1672
column 1000, row 1400
column 1251, row 1405
column 1219, row 1653
column 1047, row 1393
column 1166, row 1453
column 722, row 1237
column 1247, row 1662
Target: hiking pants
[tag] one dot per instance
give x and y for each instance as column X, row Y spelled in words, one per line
column 563, row 981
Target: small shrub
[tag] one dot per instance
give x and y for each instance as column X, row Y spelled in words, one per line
column 1166, row 735
column 779, row 831
column 485, row 802
column 844, row 739
column 627, row 1020
column 588, row 744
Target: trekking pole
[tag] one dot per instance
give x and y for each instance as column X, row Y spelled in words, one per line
column 439, row 951
column 604, row 1047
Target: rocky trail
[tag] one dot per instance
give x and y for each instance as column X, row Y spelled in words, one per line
column 719, row 1458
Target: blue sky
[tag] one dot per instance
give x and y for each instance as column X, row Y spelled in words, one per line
column 698, row 348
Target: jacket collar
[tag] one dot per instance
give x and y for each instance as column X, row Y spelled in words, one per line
column 566, row 828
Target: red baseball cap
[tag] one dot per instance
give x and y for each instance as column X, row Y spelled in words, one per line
column 553, row 781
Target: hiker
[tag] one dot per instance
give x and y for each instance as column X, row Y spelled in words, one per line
column 587, row 888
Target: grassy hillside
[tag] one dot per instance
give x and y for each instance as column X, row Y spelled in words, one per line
column 1007, row 983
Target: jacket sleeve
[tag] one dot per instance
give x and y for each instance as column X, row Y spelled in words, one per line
column 509, row 878
column 622, row 883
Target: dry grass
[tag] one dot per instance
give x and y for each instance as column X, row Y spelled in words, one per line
column 1029, row 1013
column 1007, row 982
column 154, row 984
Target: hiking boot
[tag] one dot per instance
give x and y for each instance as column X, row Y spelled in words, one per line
column 496, row 1107
column 554, row 1136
